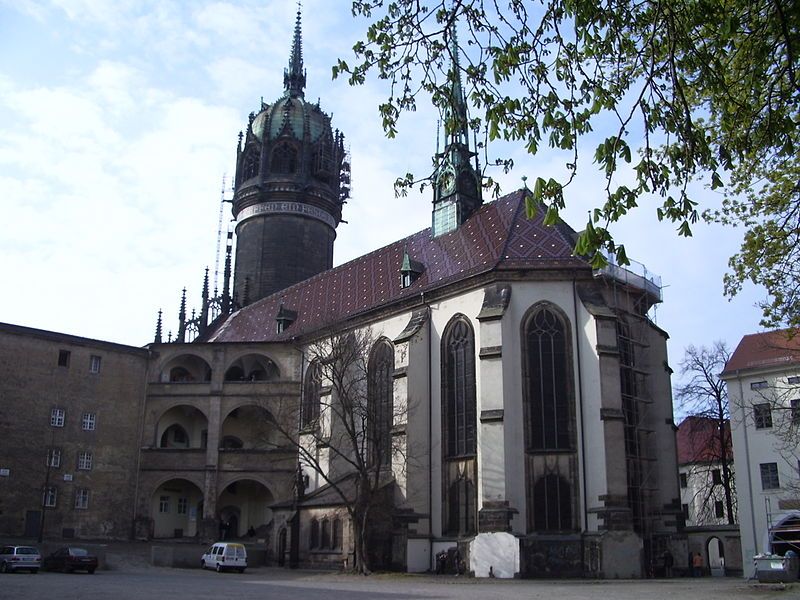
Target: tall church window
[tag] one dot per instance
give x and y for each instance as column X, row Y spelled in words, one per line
column 284, row 159
column 548, row 422
column 380, row 402
column 552, row 504
column 459, row 428
column 549, row 419
column 309, row 408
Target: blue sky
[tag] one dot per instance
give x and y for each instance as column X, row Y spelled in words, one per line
column 119, row 119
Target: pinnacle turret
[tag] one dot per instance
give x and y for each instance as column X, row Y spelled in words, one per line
column 294, row 78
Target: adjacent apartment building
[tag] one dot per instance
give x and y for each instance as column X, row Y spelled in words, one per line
column 763, row 378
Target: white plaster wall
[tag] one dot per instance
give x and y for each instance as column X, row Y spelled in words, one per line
column 751, row 448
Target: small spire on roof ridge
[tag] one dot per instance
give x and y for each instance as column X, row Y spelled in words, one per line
column 157, row 339
column 294, row 78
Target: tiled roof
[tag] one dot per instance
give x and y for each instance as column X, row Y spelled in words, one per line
column 763, row 350
column 698, row 441
column 498, row 236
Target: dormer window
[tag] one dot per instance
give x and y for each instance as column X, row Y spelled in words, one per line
column 284, row 319
column 410, row 271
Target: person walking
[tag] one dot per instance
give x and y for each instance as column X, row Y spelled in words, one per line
column 668, row 562
column 697, row 565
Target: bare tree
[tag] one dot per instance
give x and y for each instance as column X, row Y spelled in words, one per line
column 705, row 397
column 342, row 428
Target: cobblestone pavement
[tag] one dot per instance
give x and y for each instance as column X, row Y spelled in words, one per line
column 139, row 582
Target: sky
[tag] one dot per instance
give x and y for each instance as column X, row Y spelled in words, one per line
column 119, row 120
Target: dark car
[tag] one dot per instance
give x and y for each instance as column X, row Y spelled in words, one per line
column 70, row 559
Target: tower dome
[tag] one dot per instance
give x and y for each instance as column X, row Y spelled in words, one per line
column 292, row 178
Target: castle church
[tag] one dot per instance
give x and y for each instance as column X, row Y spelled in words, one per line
column 523, row 398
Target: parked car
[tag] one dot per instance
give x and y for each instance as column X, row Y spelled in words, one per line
column 70, row 559
column 225, row 556
column 18, row 558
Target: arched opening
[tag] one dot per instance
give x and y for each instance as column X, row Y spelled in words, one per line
column 459, row 429
column 250, row 428
column 312, row 386
column 244, row 504
column 252, row 367
column 380, row 397
column 716, row 555
column 175, row 509
column 186, row 368
column 182, row 427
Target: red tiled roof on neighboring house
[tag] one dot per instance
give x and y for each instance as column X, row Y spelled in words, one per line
column 498, row 236
column 698, row 441
column 760, row 350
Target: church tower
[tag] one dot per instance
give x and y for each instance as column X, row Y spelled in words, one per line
column 456, row 189
column 292, row 178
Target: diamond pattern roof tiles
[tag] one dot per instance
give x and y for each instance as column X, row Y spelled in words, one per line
column 499, row 236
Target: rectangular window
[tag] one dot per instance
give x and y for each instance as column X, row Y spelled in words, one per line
column 84, row 461
column 769, row 476
column 716, row 477
column 50, row 497
column 94, row 364
column 685, row 510
column 163, row 504
column 54, row 458
column 719, row 509
column 762, row 415
column 183, row 506
column 795, row 412
column 793, row 380
column 57, row 417
column 89, row 421
column 63, row 358
column 758, row 385
column 82, row 499
column 684, row 480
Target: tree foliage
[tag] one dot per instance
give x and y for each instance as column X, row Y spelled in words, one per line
column 705, row 397
column 685, row 89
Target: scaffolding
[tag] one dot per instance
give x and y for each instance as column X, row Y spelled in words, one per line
column 633, row 292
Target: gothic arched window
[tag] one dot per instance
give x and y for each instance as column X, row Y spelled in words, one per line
column 313, row 534
column 459, row 429
column 284, row 159
column 380, row 402
column 547, row 389
column 250, row 163
column 309, row 407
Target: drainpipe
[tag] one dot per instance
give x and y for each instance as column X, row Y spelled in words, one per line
column 580, row 405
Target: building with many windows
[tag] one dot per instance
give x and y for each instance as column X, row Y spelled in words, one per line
column 763, row 379
column 534, row 429
column 70, row 420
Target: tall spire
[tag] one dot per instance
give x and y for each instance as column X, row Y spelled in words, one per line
column 294, row 78
column 457, row 105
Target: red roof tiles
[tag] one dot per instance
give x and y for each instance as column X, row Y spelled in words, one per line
column 498, row 236
column 769, row 349
column 698, row 441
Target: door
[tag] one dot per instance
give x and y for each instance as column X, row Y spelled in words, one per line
column 33, row 519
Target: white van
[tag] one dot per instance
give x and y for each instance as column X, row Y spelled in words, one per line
column 225, row 556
